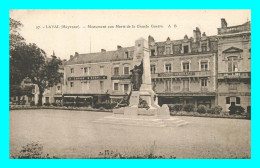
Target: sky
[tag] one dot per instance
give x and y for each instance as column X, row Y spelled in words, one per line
column 45, row 27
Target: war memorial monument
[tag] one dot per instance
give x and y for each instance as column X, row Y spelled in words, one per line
column 150, row 114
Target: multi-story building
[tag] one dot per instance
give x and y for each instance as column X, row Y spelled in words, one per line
column 184, row 71
column 200, row 70
column 234, row 65
column 96, row 76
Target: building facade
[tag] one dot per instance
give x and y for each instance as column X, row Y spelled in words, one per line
column 200, row 70
column 234, row 65
column 97, row 76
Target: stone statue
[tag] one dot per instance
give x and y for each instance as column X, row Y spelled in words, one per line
column 136, row 76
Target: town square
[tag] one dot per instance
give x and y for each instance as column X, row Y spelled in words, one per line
column 174, row 98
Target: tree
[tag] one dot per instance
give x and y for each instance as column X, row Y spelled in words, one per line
column 28, row 60
column 16, row 75
column 46, row 74
column 15, row 39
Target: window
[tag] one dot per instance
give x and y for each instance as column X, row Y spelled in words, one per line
column 47, row 100
column 116, row 86
column 204, row 65
column 71, row 70
column 86, row 70
column 204, row 102
column 232, row 64
column 101, row 70
column 186, row 67
column 116, row 70
column 204, row 82
column 237, row 100
column 126, row 86
column 153, row 69
column 126, row 70
column 58, row 87
column 152, row 52
column 186, row 48
column 71, row 84
column 203, row 47
column 168, row 67
column 168, row 50
column 185, row 85
column 227, row 100
column 168, row 85
column 101, row 86
column 126, row 54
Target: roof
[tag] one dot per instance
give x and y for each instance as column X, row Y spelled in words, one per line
column 105, row 56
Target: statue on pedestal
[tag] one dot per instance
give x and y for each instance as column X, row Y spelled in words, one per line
column 136, row 77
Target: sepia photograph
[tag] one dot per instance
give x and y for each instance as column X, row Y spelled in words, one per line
column 130, row 84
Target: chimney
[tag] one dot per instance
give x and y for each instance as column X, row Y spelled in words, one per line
column 76, row 53
column 103, row 50
column 119, row 47
column 204, row 34
column 71, row 56
column 223, row 23
column 196, row 34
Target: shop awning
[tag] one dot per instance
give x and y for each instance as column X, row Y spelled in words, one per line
column 116, row 97
column 70, row 96
column 58, row 96
column 85, row 97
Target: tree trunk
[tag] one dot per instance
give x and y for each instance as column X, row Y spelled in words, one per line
column 40, row 97
column 19, row 99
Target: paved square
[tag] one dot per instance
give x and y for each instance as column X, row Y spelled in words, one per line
column 73, row 134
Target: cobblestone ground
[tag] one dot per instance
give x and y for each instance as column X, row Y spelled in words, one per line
column 72, row 134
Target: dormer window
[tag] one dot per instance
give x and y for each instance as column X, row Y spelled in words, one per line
column 126, row 54
column 203, row 47
column 186, row 48
column 168, row 50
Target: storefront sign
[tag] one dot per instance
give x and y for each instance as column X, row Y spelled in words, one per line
column 87, row 78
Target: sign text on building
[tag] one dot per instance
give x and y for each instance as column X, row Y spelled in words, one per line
column 176, row 74
column 87, row 78
column 120, row 77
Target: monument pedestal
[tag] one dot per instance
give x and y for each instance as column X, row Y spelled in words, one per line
column 142, row 59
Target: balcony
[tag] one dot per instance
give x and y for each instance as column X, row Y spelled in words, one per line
column 235, row 29
column 234, row 75
column 186, row 93
column 182, row 74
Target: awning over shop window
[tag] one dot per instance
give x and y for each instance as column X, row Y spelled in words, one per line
column 116, row 97
column 85, row 97
column 70, row 96
column 58, row 96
